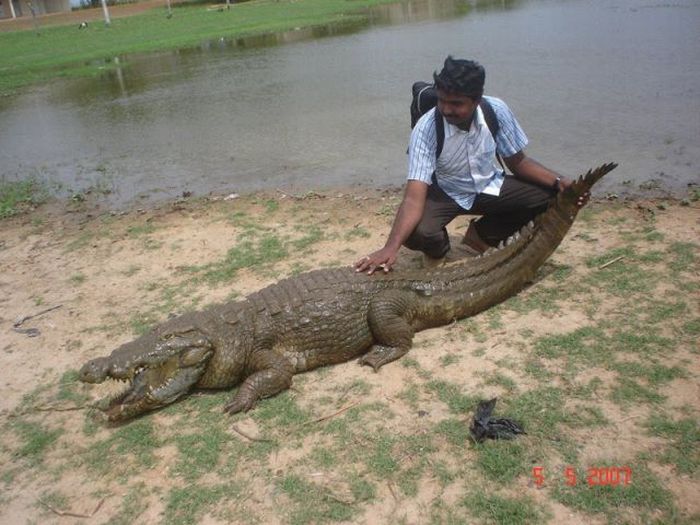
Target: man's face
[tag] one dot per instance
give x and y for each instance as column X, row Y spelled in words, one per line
column 455, row 107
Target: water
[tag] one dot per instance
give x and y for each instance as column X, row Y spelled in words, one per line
column 589, row 81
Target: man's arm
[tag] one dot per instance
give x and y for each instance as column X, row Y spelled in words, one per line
column 528, row 169
column 407, row 217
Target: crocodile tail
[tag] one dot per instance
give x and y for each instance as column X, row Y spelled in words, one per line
column 560, row 214
column 567, row 200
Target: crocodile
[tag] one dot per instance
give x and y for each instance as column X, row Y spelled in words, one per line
column 322, row 317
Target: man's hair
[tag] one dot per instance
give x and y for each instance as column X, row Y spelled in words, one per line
column 465, row 77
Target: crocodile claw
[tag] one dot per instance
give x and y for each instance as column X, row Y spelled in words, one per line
column 380, row 355
column 239, row 404
column 370, row 361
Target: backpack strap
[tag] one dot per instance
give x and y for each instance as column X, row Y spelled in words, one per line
column 490, row 117
column 492, row 123
column 439, row 132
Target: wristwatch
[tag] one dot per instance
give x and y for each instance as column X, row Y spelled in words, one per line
column 557, row 182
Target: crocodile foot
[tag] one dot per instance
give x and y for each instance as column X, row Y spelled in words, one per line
column 380, row 355
column 240, row 404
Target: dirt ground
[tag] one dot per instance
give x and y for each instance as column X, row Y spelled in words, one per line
column 77, row 280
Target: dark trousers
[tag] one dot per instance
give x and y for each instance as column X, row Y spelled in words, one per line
column 518, row 203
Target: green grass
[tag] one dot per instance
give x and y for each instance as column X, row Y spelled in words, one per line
column 77, row 279
column 184, row 505
column 69, row 389
column 245, row 254
column 26, row 58
column 627, row 275
column 452, row 396
column 127, row 448
column 199, row 453
column 683, row 449
column 643, row 495
column 502, row 510
column 132, row 506
column 381, row 459
column 628, row 390
column 140, row 229
column 654, row 374
column 357, row 232
column 314, row 503
column 502, row 461
column 455, row 431
column 16, row 197
column 502, row 380
column 35, row 440
column 684, row 256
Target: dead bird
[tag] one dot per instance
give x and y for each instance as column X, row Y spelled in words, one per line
column 484, row 426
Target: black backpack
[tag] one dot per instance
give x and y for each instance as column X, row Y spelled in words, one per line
column 425, row 99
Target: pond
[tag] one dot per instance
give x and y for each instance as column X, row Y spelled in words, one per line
column 589, row 81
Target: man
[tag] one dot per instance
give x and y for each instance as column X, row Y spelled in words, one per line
column 464, row 178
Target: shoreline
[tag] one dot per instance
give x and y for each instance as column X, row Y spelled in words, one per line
column 94, row 203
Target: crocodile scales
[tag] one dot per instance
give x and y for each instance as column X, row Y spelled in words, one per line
column 321, row 318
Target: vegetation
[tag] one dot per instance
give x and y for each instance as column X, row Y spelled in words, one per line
column 16, row 197
column 27, row 58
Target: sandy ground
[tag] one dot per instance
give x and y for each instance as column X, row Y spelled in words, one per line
column 86, row 274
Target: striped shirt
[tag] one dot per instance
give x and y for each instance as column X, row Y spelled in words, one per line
column 467, row 164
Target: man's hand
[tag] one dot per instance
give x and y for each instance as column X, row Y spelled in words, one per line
column 582, row 200
column 407, row 217
column 384, row 259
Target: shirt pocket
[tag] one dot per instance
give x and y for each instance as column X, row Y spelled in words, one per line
column 483, row 156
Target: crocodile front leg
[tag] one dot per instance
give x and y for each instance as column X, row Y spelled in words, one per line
column 391, row 330
column 272, row 373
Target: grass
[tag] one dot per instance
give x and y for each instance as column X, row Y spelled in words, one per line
column 245, row 254
column 26, row 58
column 453, row 397
column 502, row 461
column 326, row 506
column 502, row 510
column 133, row 505
column 128, row 448
column 683, row 447
column 35, row 440
column 199, row 453
column 644, row 494
column 605, row 365
column 17, row 197
column 185, row 506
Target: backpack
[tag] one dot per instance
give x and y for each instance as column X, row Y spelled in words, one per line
column 425, row 99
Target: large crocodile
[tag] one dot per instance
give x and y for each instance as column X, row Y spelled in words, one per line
column 320, row 318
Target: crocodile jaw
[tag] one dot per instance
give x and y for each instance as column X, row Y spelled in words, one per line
column 153, row 379
column 151, row 388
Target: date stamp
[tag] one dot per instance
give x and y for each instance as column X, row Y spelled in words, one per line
column 595, row 476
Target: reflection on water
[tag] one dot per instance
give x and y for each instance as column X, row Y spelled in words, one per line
column 311, row 108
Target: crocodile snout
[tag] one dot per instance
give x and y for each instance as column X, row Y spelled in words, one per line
column 94, row 371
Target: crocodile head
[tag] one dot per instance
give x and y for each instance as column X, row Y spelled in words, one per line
column 159, row 368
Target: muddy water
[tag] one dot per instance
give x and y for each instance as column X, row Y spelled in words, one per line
column 589, row 81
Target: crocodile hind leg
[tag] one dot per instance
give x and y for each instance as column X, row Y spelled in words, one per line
column 272, row 374
column 390, row 328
